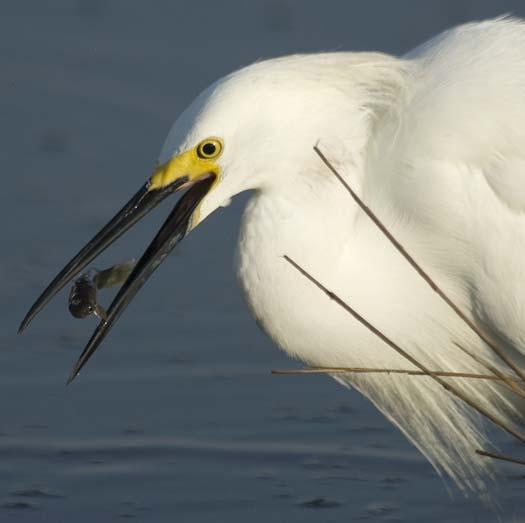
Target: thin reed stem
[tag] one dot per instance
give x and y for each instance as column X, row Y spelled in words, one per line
column 501, row 457
column 429, row 281
column 366, row 370
column 447, row 386
column 510, row 381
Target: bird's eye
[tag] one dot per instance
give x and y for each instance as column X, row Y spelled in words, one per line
column 209, row 148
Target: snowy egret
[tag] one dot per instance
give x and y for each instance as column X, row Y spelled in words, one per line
column 434, row 143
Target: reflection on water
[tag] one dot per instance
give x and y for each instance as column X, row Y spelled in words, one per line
column 177, row 416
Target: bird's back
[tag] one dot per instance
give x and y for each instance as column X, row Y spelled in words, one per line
column 455, row 168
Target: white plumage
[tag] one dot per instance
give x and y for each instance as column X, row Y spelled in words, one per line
column 434, row 143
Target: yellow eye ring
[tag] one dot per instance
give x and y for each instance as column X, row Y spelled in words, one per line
column 209, row 148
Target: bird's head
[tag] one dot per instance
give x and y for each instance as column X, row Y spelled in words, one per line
column 253, row 129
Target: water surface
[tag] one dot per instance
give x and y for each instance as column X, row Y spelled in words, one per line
column 177, row 416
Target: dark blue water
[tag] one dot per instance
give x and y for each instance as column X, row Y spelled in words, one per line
column 177, row 417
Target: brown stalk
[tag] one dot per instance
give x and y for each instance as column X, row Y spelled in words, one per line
column 501, row 457
column 510, row 381
column 366, row 370
column 429, row 281
column 447, row 386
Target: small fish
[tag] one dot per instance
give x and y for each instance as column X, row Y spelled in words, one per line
column 83, row 295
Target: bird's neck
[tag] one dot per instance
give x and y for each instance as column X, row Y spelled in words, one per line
column 321, row 228
column 314, row 224
column 312, row 216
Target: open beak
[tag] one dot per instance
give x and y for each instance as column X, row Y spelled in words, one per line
column 172, row 231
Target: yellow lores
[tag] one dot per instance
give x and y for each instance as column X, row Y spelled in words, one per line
column 192, row 164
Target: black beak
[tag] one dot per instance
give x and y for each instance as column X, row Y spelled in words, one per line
column 172, row 231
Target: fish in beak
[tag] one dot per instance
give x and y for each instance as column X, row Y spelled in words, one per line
column 189, row 170
column 83, row 295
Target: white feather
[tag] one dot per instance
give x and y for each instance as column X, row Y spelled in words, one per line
column 434, row 142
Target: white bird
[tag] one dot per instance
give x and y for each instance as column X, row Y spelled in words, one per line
column 434, row 143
